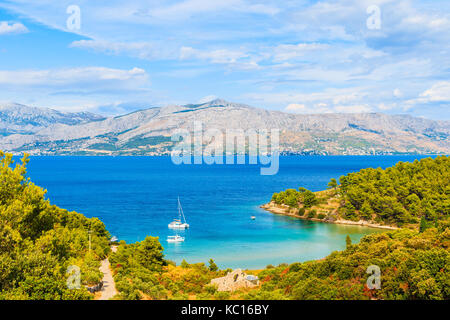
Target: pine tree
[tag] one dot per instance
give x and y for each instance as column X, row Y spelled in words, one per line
column 423, row 224
column 348, row 241
column 366, row 211
column 332, row 184
column 213, row 265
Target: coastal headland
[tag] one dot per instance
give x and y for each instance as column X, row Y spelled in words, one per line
column 288, row 211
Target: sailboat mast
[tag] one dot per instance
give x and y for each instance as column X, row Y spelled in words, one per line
column 180, row 210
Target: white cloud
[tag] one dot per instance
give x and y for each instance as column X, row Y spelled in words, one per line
column 189, row 8
column 346, row 100
column 290, row 51
column 13, row 28
column 216, row 56
column 70, row 76
column 353, row 109
column 385, row 107
column 398, row 93
column 207, row 99
column 335, row 100
column 401, row 70
column 323, row 108
column 295, row 107
column 234, row 59
column 431, row 22
column 75, row 89
column 438, row 92
column 304, row 109
column 141, row 50
column 298, row 51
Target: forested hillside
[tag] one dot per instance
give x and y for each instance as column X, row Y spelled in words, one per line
column 39, row 241
column 405, row 194
column 141, row 272
column 413, row 266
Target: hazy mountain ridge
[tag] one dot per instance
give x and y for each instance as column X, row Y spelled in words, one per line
column 147, row 132
column 17, row 118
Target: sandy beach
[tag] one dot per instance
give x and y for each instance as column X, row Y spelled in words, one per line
column 286, row 211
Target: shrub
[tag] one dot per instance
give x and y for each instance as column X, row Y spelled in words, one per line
column 312, row 213
column 222, row 295
column 301, row 211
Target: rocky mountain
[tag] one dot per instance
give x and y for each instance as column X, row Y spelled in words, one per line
column 17, row 118
column 148, row 132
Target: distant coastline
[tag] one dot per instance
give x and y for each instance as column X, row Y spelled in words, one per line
column 40, row 131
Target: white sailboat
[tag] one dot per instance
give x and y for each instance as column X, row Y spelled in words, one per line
column 176, row 238
column 176, row 223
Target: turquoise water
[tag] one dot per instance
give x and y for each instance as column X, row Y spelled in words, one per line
column 137, row 196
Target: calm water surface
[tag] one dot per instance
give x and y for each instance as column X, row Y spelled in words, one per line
column 137, row 196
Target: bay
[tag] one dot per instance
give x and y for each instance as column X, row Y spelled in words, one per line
column 137, row 196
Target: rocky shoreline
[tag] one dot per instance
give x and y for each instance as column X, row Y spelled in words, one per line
column 286, row 211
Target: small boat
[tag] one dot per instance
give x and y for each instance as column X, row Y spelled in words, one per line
column 176, row 223
column 176, row 238
column 253, row 217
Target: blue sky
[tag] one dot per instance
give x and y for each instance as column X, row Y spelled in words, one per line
column 294, row 56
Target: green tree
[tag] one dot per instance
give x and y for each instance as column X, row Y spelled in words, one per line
column 40, row 240
column 292, row 201
column 333, row 184
column 309, row 199
column 213, row 265
column 149, row 254
column 184, row 264
column 423, row 224
column 366, row 211
column 348, row 242
column 350, row 211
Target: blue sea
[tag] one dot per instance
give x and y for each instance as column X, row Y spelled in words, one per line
column 137, row 196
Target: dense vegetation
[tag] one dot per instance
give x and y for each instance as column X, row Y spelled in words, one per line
column 400, row 195
column 39, row 241
column 141, row 272
column 413, row 266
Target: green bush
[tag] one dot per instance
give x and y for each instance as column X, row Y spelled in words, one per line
column 312, row 213
column 413, row 266
column 39, row 241
column 222, row 295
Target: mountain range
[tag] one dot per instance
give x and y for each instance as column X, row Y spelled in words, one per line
column 43, row 131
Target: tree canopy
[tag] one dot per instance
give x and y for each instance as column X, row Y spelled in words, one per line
column 413, row 266
column 400, row 195
column 39, row 241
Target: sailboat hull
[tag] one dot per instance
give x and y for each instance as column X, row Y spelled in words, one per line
column 178, row 226
column 175, row 239
column 176, row 223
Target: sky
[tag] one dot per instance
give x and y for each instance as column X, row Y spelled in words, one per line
column 114, row 57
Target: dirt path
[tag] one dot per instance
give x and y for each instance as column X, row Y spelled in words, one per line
column 109, row 289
